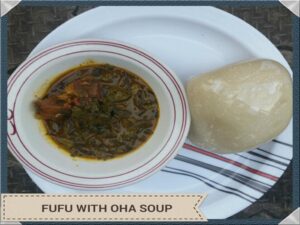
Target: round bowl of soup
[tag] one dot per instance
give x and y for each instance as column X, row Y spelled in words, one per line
column 95, row 114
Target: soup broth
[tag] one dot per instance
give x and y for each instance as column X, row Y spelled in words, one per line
column 98, row 111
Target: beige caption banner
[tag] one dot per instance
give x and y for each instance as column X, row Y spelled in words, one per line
column 37, row 207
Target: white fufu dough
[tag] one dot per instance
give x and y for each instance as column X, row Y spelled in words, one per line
column 240, row 106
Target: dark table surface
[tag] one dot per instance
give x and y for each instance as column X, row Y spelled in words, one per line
column 27, row 26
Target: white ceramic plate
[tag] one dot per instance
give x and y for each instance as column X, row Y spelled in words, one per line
column 190, row 40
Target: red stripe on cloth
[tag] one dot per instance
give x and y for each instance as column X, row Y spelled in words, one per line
column 224, row 159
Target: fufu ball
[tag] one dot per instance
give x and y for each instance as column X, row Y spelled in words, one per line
column 240, row 106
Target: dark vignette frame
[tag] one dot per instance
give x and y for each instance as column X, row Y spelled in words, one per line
column 296, row 94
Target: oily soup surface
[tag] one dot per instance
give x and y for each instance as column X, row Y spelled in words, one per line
column 240, row 106
column 98, row 111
